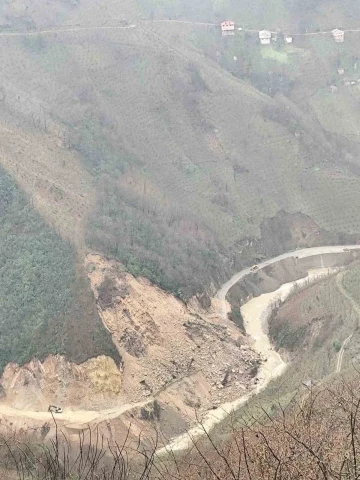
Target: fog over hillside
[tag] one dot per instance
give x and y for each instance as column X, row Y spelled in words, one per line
column 179, row 236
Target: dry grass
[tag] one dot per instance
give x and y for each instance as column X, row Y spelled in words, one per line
column 186, row 139
column 315, row 436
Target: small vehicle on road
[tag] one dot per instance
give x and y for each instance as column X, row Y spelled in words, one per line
column 254, row 268
column 55, row 409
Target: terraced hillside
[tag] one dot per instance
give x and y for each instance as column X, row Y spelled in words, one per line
column 132, row 137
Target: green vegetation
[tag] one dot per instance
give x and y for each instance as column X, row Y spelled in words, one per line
column 275, row 54
column 40, row 291
column 236, row 317
column 288, row 337
column 253, row 14
column 188, row 161
column 35, row 277
column 351, row 283
column 101, row 156
column 337, row 345
column 158, row 244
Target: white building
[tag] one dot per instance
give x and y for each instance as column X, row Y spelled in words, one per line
column 228, row 28
column 265, row 37
column 338, row 35
column 288, row 38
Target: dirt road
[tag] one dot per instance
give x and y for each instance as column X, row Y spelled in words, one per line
column 341, row 354
column 306, row 252
column 75, row 419
column 52, row 31
column 255, row 312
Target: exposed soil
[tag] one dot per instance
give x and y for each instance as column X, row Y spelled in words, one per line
column 90, row 385
column 178, row 360
column 169, row 349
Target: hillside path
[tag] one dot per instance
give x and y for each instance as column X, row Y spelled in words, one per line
column 65, row 30
column 74, row 419
column 254, row 312
column 80, row 419
column 356, row 308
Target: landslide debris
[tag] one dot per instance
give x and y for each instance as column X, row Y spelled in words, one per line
column 182, row 353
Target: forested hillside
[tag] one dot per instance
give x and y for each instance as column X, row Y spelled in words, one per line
column 170, row 147
column 42, row 296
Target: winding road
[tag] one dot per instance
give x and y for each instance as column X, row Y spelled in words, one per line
column 306, row 252
column 254, row 312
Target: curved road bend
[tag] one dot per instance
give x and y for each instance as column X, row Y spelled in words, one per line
column 274, row 366
column 305, row 252
column 83, row 418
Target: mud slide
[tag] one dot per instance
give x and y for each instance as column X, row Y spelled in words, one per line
column 255, row 313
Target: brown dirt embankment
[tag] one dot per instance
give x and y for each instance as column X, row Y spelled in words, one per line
column 271, row 277
column 176, row 352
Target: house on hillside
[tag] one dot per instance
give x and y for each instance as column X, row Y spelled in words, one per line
column 288, row 38
column 341, row 71
column 227, row 28
column 265, row 37
column 338, row 35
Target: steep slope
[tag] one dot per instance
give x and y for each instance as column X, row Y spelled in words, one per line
column 186, row 159
column 45, row 303
column 172, row 351
column 132, row 143
column 318, row 328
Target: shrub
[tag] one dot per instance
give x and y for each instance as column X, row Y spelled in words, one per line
column 236, row 317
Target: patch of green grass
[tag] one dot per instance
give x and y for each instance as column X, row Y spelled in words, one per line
column 288, row 337
column 275, row 54
column 99, row 154
column 236, row 317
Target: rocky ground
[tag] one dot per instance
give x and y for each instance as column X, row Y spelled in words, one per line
column 185, row 356
column 166, row 344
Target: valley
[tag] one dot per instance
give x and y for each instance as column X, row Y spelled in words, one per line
column 179, row 222
column 186, row 394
